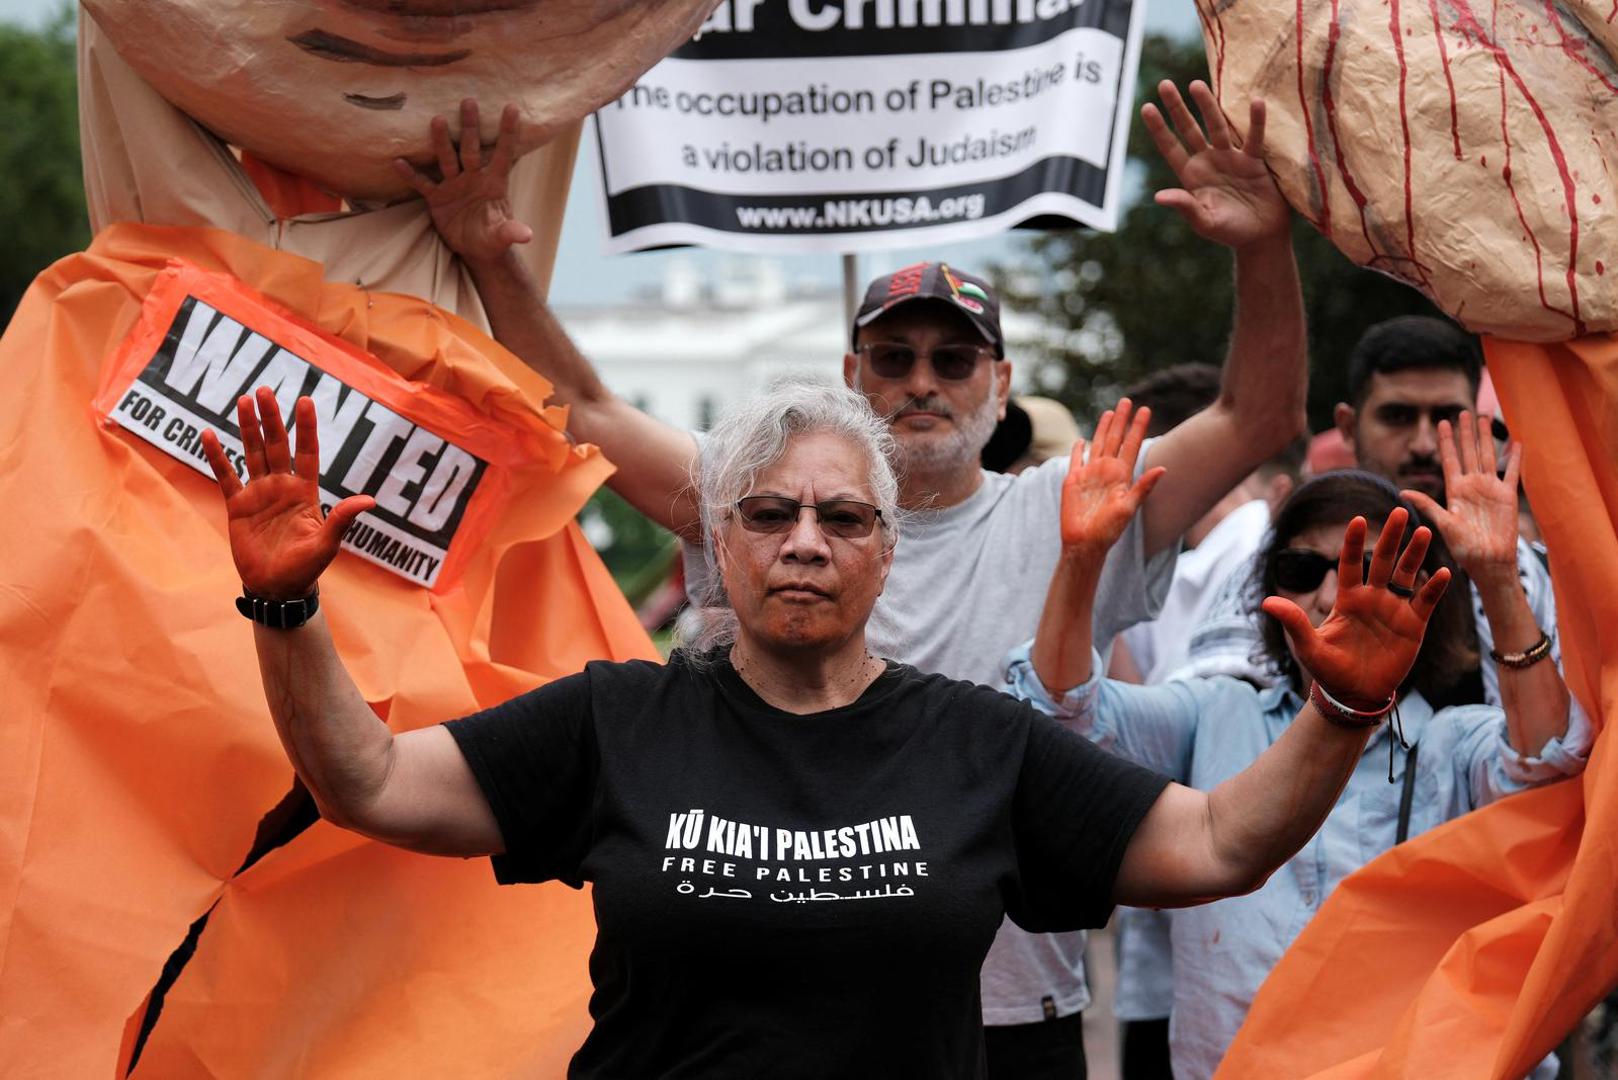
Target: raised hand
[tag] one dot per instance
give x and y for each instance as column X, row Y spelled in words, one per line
column 1226, row 193
column 1479, row 522
column 471, row 203
column 1100, row 493
column 280, row 540
column 1366, row 646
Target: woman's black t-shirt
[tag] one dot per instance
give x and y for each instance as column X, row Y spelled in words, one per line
column 798, row 896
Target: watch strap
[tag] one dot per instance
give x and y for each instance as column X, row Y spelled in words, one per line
column 278, row 614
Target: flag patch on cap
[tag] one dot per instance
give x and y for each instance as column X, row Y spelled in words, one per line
column 964, row 293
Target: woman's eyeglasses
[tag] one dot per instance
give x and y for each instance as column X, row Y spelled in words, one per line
column 1299, row 570
column 892, row 360
column 846, row 518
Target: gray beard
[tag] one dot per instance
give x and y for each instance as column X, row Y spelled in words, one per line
column 961, row 449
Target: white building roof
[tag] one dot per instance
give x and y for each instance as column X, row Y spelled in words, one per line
column 700, row 346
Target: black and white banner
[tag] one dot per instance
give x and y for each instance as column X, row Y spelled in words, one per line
column 847, row 125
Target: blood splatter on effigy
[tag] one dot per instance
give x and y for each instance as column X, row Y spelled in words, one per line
column 1467, row 150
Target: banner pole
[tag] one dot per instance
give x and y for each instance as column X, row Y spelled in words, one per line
column 851, row 287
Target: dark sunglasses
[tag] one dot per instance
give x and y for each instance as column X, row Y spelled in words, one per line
column 1300, row 570
column 891, row 360
column 837, row 517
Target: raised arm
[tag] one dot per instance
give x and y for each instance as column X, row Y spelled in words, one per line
column 1098, row 501
column 414, row 790
column 1228, row 196
column 1192, row 846
column 1057, row 672
column 1480, row 526
column 472, row 212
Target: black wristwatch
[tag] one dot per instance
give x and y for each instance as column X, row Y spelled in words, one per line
column 279, row 614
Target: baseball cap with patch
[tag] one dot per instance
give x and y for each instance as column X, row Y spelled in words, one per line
column 970, row 294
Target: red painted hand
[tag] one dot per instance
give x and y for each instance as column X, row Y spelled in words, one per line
column 280, row 540
column 1100, row 493
column 1366, row 646
column 471, row 203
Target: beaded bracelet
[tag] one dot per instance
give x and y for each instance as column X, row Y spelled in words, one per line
column 1530, row 656
column 1343, row 715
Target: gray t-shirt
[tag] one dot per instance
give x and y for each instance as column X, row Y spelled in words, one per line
column 967, row 586
column 969, row 581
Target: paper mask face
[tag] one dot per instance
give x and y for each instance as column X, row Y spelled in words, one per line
column 1467, row 149
column 335, row 89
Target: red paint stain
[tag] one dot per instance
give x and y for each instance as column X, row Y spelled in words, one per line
column 1404, row 128
column 1596, row 199
column 1575, row 49
column 1214, row 31
column 1469, row 25
column 1207, row 24
column 1443, row 56
column 1324, row 224
column 1216, row 38
column 1600, row 268
column 1333, row 33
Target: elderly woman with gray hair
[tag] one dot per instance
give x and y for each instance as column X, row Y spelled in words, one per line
column 800, row 852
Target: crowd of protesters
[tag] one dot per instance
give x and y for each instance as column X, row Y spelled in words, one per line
column 1281, row 675
column 1485, row 701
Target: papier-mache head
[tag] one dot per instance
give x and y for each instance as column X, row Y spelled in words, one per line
column 1468, row 149
column 335, row 89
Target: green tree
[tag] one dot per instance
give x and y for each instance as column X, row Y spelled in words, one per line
column 1154, row 294
column 42, row 214
column 638, row 552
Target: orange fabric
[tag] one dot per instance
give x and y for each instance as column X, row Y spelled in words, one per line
column 137, row 757
column 1472, row 950
column 286, row 194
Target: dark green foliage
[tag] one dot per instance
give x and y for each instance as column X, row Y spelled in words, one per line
column 42, row 215
column 639, row 553
column 1154, row 294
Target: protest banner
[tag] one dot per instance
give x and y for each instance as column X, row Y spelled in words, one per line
column 203, row 341
column 810, row 126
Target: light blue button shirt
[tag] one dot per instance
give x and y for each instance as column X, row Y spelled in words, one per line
column 1202, row 732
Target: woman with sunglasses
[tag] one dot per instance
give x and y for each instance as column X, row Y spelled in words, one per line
column 1430, row 765
column 800, row 853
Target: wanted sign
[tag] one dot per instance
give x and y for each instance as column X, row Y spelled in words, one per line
column 203, row 341
column 842, row 125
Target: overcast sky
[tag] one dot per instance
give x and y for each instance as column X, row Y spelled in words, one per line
column 30, row 12
column 585, row 275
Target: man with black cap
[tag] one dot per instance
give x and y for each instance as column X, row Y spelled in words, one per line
column 970, row 573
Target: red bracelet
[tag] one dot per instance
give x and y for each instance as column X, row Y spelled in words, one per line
column 1341, row 714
